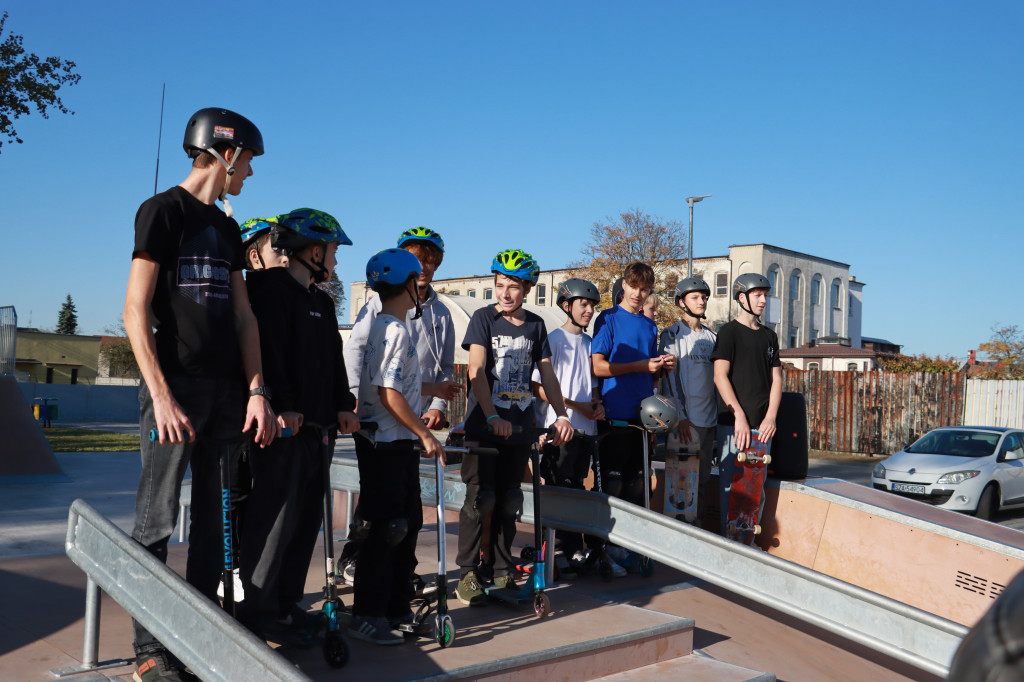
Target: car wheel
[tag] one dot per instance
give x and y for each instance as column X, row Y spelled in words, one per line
column 988, row 503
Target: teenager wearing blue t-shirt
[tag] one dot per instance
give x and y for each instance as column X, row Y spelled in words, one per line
column 625, row 356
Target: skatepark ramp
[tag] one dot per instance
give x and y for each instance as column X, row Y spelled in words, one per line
column 211, row 643
column 25, row 451
column 903, row 632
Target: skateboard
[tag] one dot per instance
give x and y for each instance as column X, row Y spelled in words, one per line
column 682, row 478
column 745, row 479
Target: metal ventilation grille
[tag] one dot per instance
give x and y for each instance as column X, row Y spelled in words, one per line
column 979, row 585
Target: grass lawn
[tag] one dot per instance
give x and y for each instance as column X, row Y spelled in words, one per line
column 88, row 440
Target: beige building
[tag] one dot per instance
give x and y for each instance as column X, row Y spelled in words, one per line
column 48, row 358
column 811, row 297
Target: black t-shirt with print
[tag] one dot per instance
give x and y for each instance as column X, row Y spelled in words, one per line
column 752, row 353
column 197, row 248
column 512, row 353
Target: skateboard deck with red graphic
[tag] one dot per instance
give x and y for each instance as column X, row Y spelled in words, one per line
column 743, row 512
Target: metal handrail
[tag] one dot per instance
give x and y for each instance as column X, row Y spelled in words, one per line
column 211, row 643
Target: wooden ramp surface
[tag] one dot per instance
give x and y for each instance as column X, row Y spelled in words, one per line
column 23, row 448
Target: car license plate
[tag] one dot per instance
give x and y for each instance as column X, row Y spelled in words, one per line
column 908, row 488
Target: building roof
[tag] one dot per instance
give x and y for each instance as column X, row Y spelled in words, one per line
column 827, row 351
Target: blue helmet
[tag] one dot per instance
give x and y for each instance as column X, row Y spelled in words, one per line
column 421, row 234
column 254, row 227
column 391, row 266
column 516, row 263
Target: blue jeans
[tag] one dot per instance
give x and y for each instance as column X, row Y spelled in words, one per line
column 216, row 408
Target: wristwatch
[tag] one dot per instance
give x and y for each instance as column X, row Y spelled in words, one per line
column 260, row 390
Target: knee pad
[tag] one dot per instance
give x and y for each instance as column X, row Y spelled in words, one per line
column 633, row 491
column 359, row 529
column 395, row 531
column 613, row 484
column 479, row 502
column 511, row 503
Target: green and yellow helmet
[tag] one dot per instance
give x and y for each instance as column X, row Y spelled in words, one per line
column 421, row 234
column 516, row 263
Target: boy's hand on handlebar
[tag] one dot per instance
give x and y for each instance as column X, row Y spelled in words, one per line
column 172, row 424
column 290, row 420
column 563, row 432
column 432, row 448
column 348, row 422
column 500, row 427
column 433, row 419
column 258, row 410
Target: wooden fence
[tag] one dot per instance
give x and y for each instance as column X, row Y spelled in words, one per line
column 876, row 412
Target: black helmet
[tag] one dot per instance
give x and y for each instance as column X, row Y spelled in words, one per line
column 746, row 283
column 691, row 284
column 212, row 126
column 617, row 292
column 658, row 413
column 576, row 288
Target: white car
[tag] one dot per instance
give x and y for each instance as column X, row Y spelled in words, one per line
column 974, row 469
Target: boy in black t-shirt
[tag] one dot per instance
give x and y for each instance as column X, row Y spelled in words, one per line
column 196, row 342
column 504, row 342
column 748, row 373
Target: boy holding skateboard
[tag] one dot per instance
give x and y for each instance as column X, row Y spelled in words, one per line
column 692, row 384
column 389, row 486
column 197, row 344
column 748, row 376
column 504, row 342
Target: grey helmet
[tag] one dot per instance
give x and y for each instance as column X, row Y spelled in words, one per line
column 659, row 414
column 618, row 293
column 688, row 285
column 746, row 283
column 576, row 288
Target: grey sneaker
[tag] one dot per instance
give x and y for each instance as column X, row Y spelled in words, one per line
column 469, row 591
column 374, row 630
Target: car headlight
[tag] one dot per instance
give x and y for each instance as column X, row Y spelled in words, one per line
column 956, row 477
column 879, row 471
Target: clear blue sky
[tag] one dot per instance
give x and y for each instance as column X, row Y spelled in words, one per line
column 886, row 135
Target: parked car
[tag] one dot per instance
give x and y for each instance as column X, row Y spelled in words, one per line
column 974, row 469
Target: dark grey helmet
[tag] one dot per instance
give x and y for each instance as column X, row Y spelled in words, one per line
column 658, row 413
column 618, row 292
column 746, row 283
column 691, row 284
column 212, row 126
column 577, row 288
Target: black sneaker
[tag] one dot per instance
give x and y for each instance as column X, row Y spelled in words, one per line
column 159, row 666
column 374, row 630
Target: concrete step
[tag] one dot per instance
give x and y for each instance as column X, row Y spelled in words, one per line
column 697, row 667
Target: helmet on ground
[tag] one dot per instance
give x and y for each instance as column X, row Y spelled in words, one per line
column 747, row 282
column 576, row 288
column 516, row 263
column 391, row 266
column 212, row 126
column 618, row 293
column 254, row 227
column 305, row 226
column 691, row 284
column 422, row 234
column 658, row 413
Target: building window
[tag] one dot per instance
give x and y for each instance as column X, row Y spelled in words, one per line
column 836, row 290
column 74, row 375
column 472, row 293
column 814, row 335
column 721, row 284
column 793, row 332
column 794, row 286
column 455, row 292
column 813, row 366
column 773, row 280
column 851, row 367
column 816, row 291
column 542, row 294
column 488, row 294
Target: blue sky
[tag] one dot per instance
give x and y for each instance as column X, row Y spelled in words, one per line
column 886, row 135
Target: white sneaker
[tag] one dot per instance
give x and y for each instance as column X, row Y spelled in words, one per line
column 348, row 573
column 239, row 590
column 580, row 557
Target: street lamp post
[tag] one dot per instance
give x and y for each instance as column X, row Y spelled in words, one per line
column 689, row 242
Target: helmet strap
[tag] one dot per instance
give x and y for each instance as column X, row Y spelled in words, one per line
column 416, row 302
column 510, row 313
column 572, row 318
column 229, row 168
column 746, row 308
column 319, row 272
column 690, row 312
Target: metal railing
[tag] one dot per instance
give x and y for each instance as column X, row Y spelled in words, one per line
column 211, row 643
column 8, row 339
column 903, row 632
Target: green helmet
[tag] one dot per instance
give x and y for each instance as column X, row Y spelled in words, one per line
column 516, row 263
column 421, row 234
column 254, row 227
column 305, row 226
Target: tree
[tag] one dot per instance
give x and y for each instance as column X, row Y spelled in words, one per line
column 336, row 290
column 635, row 236
column 67, row 318
column 1005, row 353
column 26, row 79
column 918, row 363
column 117, row 354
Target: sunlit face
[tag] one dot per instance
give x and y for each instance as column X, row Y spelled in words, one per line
column 509, row 292
column 331, row 257
column 633, row 297
column 696, row 302
column 582, row 310
column 243, row 169
column 271, row 258
column 757, row 299
column 651, row 307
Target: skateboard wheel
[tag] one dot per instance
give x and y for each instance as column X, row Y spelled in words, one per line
column 444, row 630
column 767, row 459
column 335, row 650
column 757, row 529
column 541, row 605
column 741, row 457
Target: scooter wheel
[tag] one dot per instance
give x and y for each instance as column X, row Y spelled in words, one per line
column 444, row 630
column 335, row 650
column 541, row 605
column 646, row 566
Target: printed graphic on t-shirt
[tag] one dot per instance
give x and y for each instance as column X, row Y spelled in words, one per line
column 513, row 364
column 204, row 278
column 701, row 351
